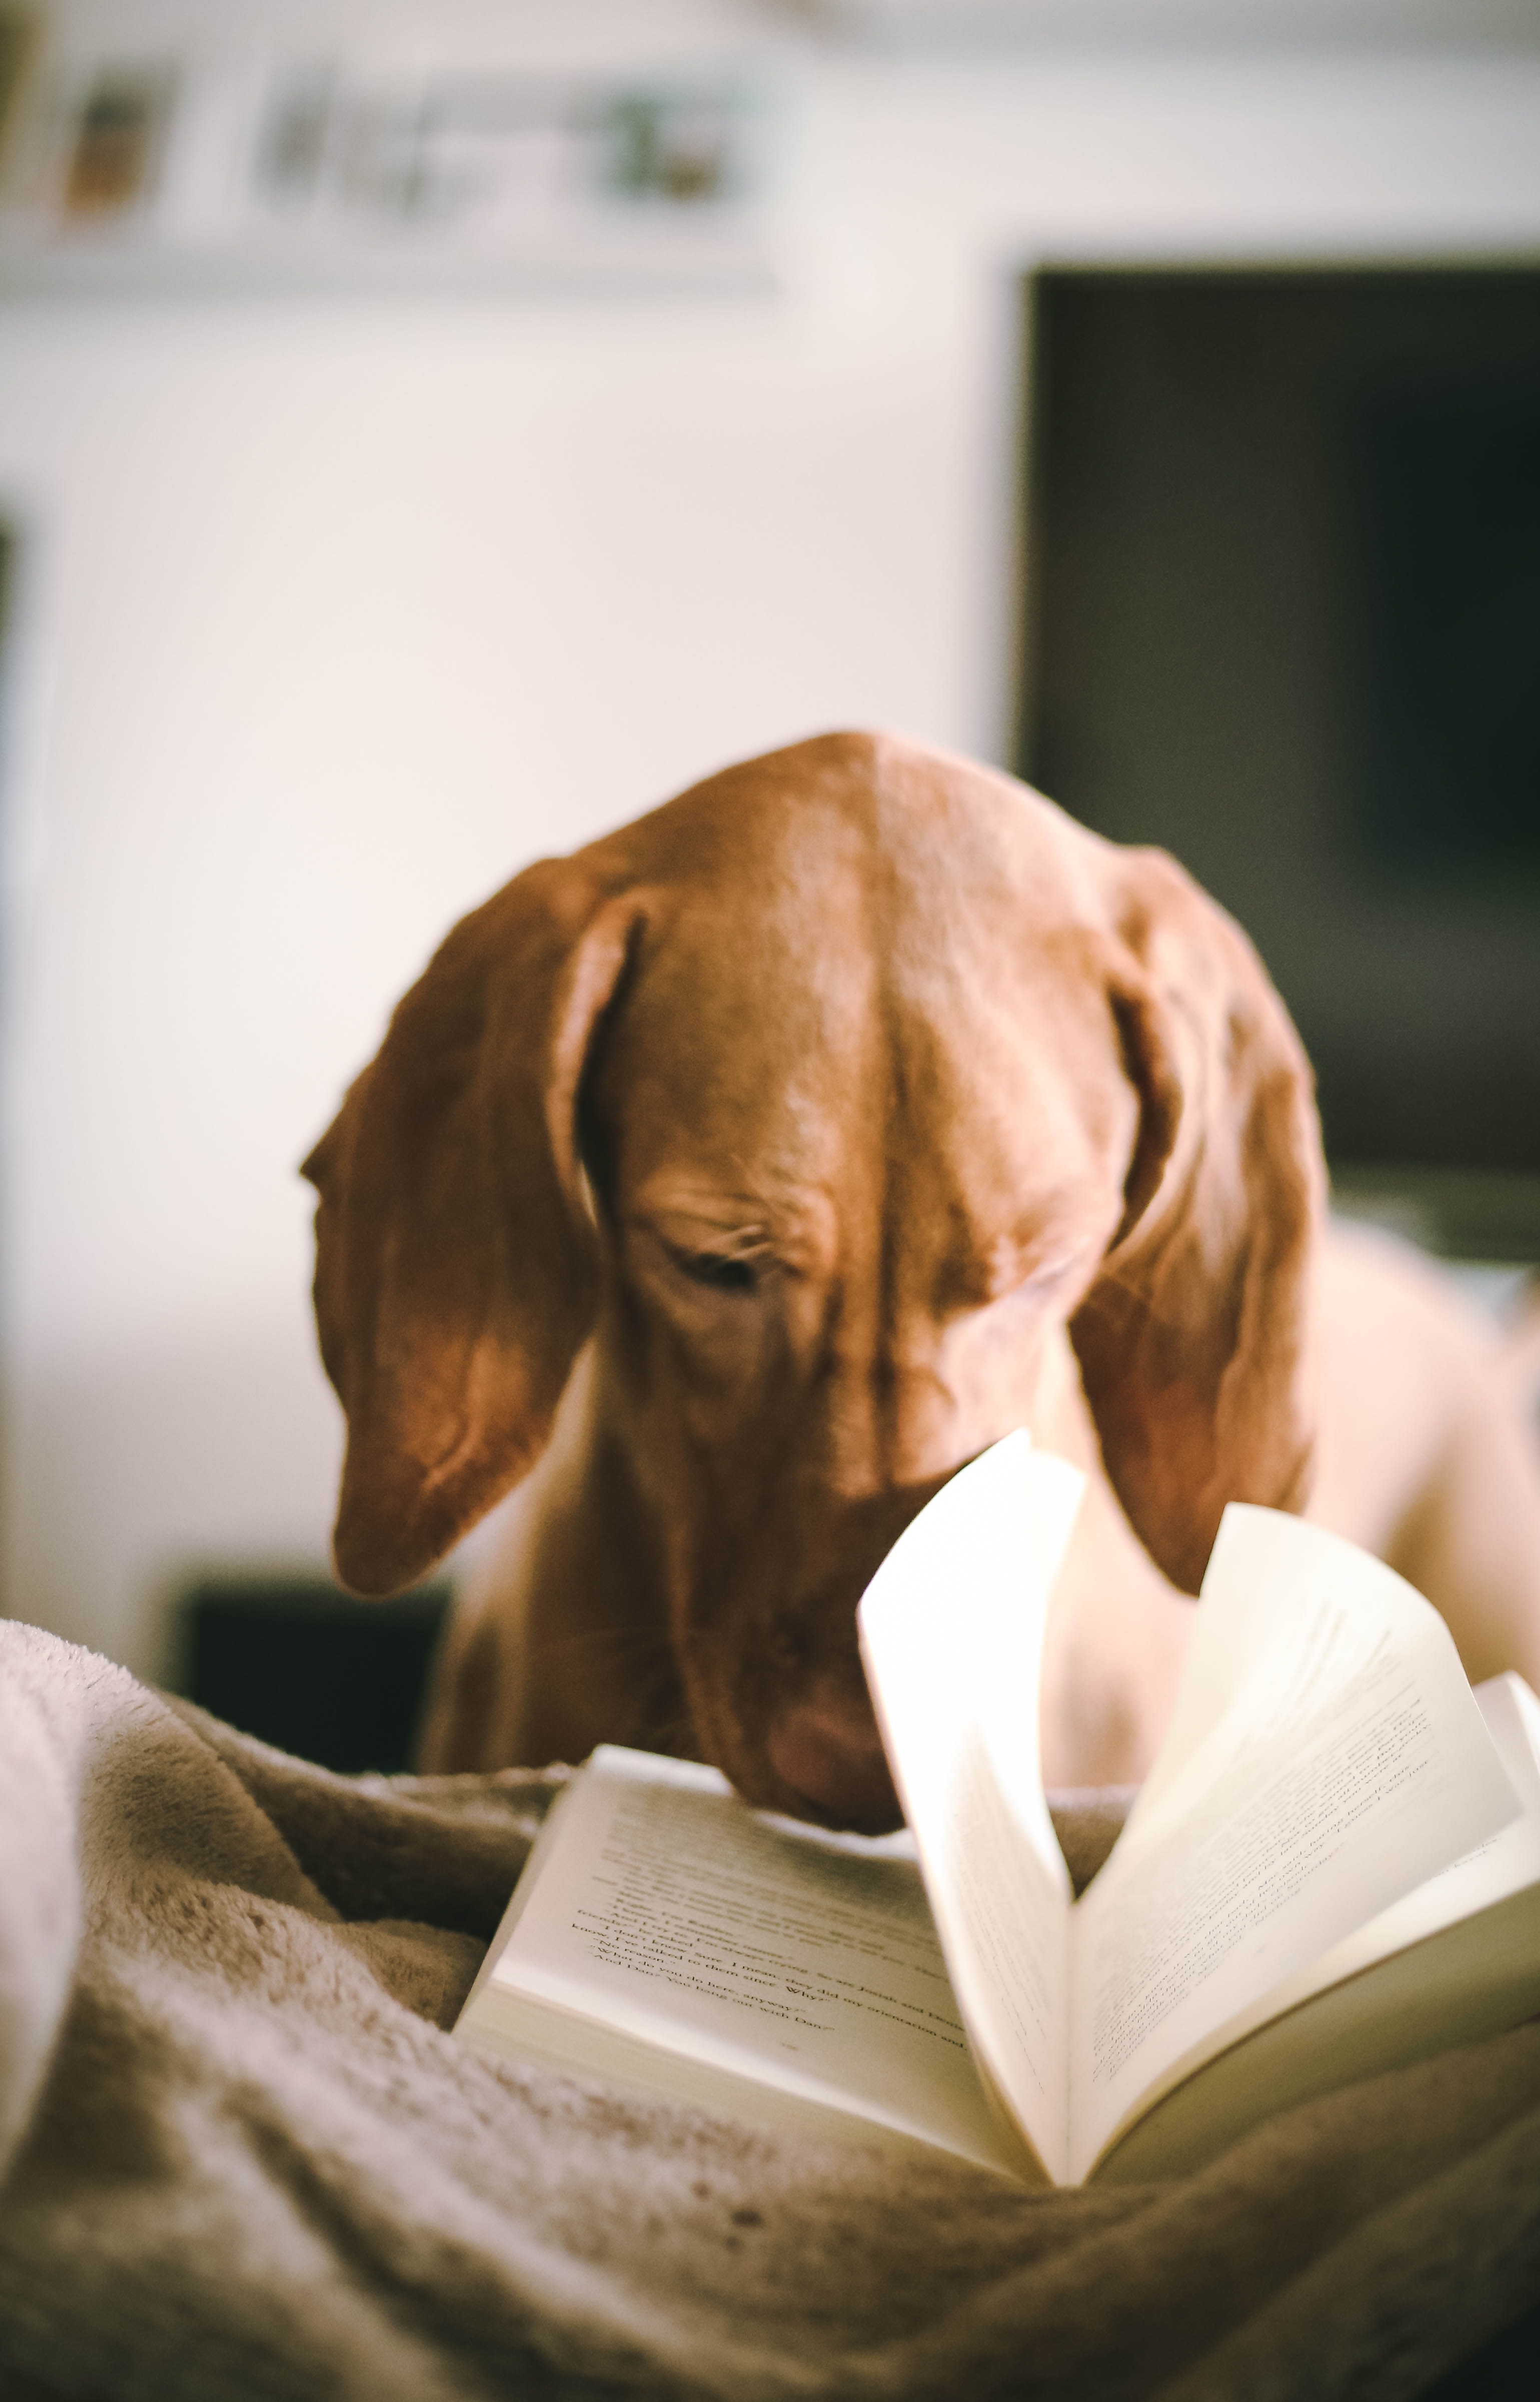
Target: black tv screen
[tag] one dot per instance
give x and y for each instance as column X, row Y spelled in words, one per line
column 1281, row 577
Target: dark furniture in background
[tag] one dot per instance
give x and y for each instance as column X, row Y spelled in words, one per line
column 307, row 1668
column 1281, row 614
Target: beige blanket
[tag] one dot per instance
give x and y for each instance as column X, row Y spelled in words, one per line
column 238, row 2156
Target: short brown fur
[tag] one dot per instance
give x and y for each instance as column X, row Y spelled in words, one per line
column 742, row 1177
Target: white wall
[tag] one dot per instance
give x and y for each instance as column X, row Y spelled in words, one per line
column 340, row 614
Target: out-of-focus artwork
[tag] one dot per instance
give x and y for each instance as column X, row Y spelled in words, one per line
column 164, row 171
column 117, row 138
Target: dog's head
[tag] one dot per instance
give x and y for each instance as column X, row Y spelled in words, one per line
column 817, row 1098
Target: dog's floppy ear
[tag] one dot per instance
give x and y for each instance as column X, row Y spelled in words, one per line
column 456, row 1266
column 1193, row 1342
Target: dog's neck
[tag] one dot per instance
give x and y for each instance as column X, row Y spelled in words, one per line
column 569, row 1589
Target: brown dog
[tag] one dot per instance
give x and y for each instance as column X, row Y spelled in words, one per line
column 728, row 1185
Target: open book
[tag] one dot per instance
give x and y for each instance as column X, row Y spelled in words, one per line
column 1333, row 1869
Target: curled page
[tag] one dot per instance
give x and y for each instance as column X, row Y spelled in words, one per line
column 952, row 1632
column 1325, row 1756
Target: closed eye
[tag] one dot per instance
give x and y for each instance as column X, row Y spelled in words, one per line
column 720, row 1271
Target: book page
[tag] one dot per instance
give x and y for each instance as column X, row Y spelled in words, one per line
column 951, row 1632
column 1503, row 1863
column 1450, row 2003
column 667, row 1910
column 1456, row 1961
column 1329, row 1757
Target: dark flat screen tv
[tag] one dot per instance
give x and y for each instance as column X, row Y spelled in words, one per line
column 1281, row 614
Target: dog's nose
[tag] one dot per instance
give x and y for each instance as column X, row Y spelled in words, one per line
column 832, row 1758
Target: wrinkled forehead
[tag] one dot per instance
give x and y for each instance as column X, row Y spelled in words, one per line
column 826, row 1028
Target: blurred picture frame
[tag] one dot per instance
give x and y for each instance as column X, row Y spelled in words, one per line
column 235, row 171
column 117, row 142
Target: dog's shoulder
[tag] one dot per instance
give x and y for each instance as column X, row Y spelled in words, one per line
column 1405, row 1357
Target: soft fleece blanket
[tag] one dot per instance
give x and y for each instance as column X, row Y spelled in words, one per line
column 240, row 2156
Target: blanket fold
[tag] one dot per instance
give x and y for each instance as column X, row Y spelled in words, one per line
column 240, row 2156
